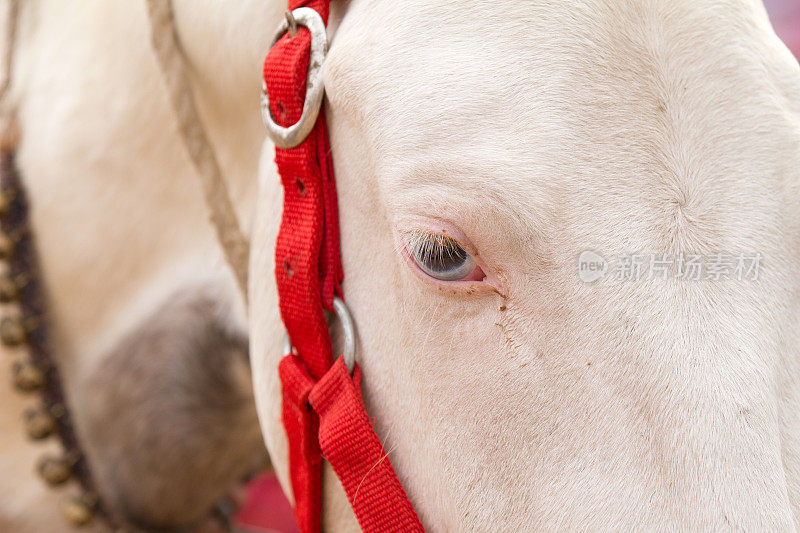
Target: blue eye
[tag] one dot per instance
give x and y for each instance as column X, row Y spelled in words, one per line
column 442, row 258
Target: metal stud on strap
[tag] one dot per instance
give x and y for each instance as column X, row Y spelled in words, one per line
column 348, row 334
column 291, row 136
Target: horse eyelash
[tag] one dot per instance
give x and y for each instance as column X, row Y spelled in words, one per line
column 428, row 247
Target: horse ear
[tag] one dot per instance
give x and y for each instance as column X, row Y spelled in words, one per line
column 169, row 420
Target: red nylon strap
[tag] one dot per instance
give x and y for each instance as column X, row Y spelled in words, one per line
column 309, row 272
column 302, row 429
column 353, row 449
column 307, row 267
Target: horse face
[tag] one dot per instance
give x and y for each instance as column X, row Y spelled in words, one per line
column 522, row 394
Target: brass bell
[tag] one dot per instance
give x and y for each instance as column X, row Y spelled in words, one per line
column 9, row 132
column 12, row 331
column 79, row 511
column 28, row 377
column 39, row 424
column 5, row 202
column 54, row 470
column 8, row 290
column 7, row 245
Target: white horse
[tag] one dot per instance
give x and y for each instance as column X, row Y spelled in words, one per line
column 479, row 148
column 149, row 330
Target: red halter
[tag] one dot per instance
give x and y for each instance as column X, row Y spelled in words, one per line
column 323, row 411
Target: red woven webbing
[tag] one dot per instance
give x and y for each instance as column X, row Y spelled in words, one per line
column 351, row 446
column 308, row 272
column 302, row 429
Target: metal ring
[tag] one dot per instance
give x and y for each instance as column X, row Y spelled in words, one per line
column 348, row 335
column 291, row 136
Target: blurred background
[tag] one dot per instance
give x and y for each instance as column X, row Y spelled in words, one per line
column 785, row 15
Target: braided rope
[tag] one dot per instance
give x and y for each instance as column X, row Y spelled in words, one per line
column 171, row 59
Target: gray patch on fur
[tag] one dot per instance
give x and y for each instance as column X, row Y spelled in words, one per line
column 169, row 416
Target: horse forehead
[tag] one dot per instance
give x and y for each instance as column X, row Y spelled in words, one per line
column 541, row 89
column 419, row 63
column 415, row 68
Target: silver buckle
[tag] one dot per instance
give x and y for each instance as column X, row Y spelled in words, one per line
column 348, row 335
column 291, row 136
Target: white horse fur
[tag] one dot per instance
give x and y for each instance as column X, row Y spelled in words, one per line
column 536, row 130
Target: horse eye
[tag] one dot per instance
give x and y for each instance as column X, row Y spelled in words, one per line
column 442, row 258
